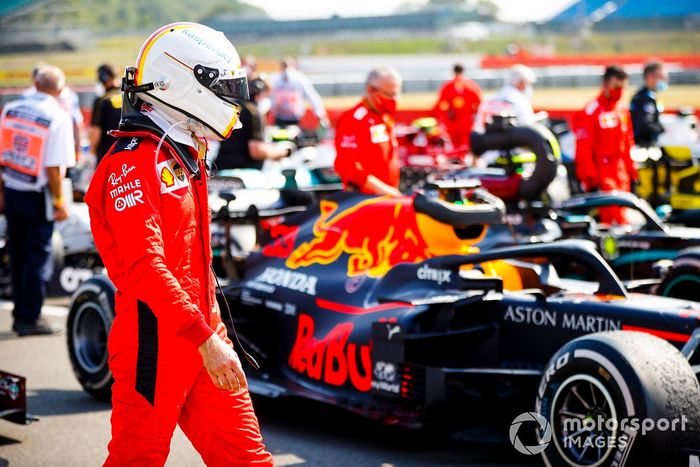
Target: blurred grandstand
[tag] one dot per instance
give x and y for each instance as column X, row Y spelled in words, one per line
column 38, row 25
column 626, row 15
column 423, row 42
column 430, row 20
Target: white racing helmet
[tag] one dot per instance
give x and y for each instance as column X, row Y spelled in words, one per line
column 192, row 73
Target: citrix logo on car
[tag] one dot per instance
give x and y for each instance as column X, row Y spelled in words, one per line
column 426, row 273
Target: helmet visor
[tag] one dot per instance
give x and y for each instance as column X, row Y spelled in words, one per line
column 230, row 85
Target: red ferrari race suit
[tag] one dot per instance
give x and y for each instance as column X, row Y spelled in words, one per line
column 366, row 145
column 150, row 222
column 603, row 142
column 456, row 107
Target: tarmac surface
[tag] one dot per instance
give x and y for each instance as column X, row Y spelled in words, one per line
column 74, row 430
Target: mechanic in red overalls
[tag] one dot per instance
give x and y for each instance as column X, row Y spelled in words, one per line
column 456, row 107
column 168, row 350
column 366, row 147
column 603, row 141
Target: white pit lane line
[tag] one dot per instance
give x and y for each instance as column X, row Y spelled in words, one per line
column 46, row 310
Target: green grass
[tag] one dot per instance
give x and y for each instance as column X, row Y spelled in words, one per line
column 276, row 49
column 651, row 42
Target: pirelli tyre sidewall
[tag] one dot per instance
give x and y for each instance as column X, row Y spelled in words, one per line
column 619, row 375
column 89, row 320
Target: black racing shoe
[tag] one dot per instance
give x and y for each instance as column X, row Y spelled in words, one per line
column 40, row 328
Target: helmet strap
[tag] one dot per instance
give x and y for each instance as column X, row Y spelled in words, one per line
column 165, row 135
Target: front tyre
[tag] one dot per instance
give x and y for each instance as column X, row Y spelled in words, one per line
column 602, row 392
column 89, row 320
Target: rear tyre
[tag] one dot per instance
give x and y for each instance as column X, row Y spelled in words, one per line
column 89, row 320
column 681, row 282
column 596, row 386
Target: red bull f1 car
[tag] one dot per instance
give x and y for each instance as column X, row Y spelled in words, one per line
column 385, row 307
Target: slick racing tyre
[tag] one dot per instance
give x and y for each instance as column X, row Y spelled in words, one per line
column 617, row 398
column 683, row 279
column 681, row 282
column 89, row 320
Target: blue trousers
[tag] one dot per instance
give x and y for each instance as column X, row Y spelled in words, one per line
column 29, row 243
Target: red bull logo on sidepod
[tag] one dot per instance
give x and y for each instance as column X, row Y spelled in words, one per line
column 376, row 234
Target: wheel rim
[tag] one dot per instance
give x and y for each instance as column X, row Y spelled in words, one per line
column 90, row 337
column 584, row 398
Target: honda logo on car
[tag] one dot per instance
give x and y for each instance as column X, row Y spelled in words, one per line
column 575, row 322
column 289, row 280
column 426, row 273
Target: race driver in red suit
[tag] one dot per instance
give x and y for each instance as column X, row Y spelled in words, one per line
column 603, row 142
column 168, row 351
column 366, row 148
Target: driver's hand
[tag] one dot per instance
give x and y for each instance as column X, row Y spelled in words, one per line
column 223, row 365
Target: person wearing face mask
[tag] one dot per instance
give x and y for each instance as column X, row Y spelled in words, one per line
column 645, row 106
column 603, row 141
column 366, row 147
column 514, row 97
column 247, row 149
column 106, row 111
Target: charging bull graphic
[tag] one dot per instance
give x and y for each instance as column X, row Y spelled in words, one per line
column 376, row 233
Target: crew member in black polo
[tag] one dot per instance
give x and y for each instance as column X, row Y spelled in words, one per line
column 646, row 107
column 106, row 111
column 248, row 150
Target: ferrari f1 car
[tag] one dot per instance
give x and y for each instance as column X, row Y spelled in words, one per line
column 383, row 306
